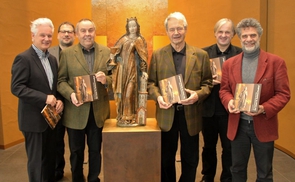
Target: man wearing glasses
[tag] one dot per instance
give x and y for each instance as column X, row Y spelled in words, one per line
column 66, row 38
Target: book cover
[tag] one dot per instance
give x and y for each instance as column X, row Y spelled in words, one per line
column 216, row 67
column 86, row 88
column 172, row 89
column 50, row 115
column 247, row 96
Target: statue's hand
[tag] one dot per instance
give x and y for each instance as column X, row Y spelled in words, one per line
column 145, row 75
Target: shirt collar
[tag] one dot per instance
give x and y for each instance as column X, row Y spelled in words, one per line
column 40, row 53
column 227, row 51
column 180, row 52
column 91, row 48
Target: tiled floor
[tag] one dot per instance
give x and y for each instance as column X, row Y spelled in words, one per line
column 13, row 166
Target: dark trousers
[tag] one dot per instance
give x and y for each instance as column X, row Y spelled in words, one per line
column 40, row 148
column 189, row 151
column 241, row 148
column 60, row 148
column 212, row 128
column 77, row 147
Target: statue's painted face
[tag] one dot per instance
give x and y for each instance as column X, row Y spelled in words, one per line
column 132, row 27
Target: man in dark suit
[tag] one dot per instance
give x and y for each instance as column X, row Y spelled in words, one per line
column 85, row 58
column 34, row 82
column 184, row 118
column 260, row 129
column 66, row 37
column 214, row 114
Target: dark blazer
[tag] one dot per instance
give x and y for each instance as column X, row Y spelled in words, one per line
column 197, row 77
column 275, row 93
column 72, row 64
column 30, row 84
column 212, row 104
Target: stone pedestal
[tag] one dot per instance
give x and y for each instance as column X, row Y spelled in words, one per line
column 131, row 154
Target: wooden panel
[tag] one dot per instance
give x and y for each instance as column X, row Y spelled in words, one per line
column 131, row 154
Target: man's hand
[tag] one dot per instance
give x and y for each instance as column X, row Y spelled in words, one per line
column 192, row 98
column 51, row 100
column 74, row 100
column 101, row 77
column 59, row 106
column 215, row 81
column 260, row 111
column 231, row 107
column 162, row 103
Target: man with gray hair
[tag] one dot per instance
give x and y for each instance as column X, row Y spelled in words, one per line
column 184, row 118
column 34, row 82
column 84, row 121
column 259, row 129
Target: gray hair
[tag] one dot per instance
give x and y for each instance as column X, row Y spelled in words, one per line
column 249, row 22
column 40, row 21
column 178, row 16
column 223, row 21
column 82, row 20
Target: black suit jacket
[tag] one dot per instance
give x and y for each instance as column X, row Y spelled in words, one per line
column 30, row 84
column 212, row 105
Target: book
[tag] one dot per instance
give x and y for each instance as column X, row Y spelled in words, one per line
column 50, row 115
column 172, row 89
column 86, row 88
column 216, row 67
column 247, row 96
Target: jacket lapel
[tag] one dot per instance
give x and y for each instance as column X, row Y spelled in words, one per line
column 80, row 58
column 236, row 68
column 168, row 60
column 39, row 65
column 98, row 59
column 262, row 62
column 190, row 62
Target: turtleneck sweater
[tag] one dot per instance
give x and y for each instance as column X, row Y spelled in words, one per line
column 249, row 67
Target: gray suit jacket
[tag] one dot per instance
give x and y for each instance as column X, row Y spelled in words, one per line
column 72, row 64
column 55, row 52
column 197, row 77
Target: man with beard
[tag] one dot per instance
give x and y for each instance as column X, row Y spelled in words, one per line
column 66, row 37
column 260, row 129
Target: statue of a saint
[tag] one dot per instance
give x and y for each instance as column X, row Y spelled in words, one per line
column 128, row 61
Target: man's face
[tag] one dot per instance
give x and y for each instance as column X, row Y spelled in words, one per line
column 250, row 39
column 224, row 34
column 176, row 31
column 66, row 35
column 43, row 38
column 86, row 34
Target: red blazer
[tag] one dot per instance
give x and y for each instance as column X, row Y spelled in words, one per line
column 275, row 93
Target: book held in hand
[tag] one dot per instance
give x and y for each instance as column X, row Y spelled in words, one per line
column 86, row 88
column 216, row 67
column 247, row 96
column 172, row 89
column 50, row 115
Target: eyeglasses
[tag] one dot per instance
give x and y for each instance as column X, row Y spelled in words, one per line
column 66, row 31
column 178, row 29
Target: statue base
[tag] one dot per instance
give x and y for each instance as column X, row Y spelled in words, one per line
column 131, row 154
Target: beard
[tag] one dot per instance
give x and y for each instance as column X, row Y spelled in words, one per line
column 250, row 49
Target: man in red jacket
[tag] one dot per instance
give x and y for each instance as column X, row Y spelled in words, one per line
column 258, row 129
